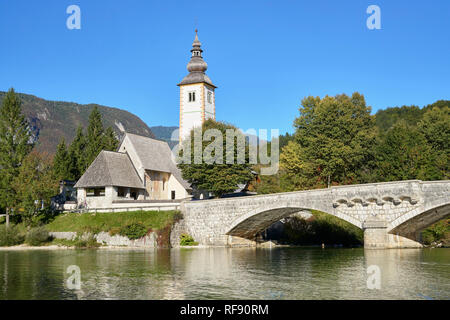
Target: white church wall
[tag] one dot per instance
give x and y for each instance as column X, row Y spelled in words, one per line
column 81, row 195
column 209, row 103
column 175, row 185
column 191, row 111
column 96, row 202
column 127, row 146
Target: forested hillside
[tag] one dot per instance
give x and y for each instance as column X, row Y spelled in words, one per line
column 52, row 120
column 386, row 118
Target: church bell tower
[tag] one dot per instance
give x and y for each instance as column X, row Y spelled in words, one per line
column 197, row 96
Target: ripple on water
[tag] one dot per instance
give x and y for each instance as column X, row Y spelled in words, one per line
column 224, row 273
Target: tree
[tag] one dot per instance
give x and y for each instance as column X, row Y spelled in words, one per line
column 403, row 154
column 110, row 141
column 435, row 127
column 333, row 141
column 218, row 178
column 35, row 181
column 297, row 171
column 14, row 145
column 284, row 139
column 94, row 138
column 76, row 155
column 61, row 161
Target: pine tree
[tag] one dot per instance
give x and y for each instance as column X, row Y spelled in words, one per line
column 14, row 145
column 110, row 141
column 76, row 155
column 61, row 161
column 94, row 141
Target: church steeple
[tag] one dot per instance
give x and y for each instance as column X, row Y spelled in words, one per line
column 196, row 66
column 197, row 96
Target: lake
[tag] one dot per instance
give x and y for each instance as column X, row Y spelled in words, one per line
column 226, row 273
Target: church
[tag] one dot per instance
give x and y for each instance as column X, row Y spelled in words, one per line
column 142, row 169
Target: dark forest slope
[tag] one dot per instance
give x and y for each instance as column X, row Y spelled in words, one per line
column 51, row 120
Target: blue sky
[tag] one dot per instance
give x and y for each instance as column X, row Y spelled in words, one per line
column 264, row 56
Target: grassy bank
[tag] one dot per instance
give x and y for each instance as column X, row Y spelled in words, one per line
column 133, row 225
column 97, row 222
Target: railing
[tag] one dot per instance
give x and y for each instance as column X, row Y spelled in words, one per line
column 175, row 206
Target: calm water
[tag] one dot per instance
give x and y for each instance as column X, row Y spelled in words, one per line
column 220, row 273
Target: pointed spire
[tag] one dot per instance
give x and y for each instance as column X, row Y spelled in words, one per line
column 196, row 43
column 196, row 66
column 196, row 50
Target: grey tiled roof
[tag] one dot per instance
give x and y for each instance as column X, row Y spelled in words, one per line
column 196, row 77
column 156, row 155
column 110, row 169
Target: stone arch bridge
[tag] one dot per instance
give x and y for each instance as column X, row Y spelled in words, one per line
column 391, row 214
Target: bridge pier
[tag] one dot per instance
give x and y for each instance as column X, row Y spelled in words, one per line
column 377, row 237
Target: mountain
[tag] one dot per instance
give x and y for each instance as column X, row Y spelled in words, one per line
column 165, row 134
column 52, row 120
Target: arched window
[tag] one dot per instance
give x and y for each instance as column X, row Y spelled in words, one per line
column 192, row 96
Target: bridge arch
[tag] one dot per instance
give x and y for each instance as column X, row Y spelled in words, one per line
column 262, row 217
column 418, row 219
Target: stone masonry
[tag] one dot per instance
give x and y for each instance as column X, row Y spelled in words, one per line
column 391, row 213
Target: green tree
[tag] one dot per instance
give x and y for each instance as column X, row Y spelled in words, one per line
column 218, row 178
column 14, row 145
column 61, row 161
column 284, row 139
column 387, row 118
column 333, row 142
column 110, row 141
column 76, row 155
column 94, row 138
column 435, row 127
column 404, row 154
column 35, row 181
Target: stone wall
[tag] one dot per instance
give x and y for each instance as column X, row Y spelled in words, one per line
column 149, row 241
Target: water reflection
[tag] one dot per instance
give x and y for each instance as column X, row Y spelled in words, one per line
column 224, row 273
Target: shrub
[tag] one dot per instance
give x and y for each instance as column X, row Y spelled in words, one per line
column 91, row 229
column 436, row 232
column 37, row 236
column 82, row 241
column 187, row 240
column 177, row 216
column 10, row 236
column 133, row 231
column 114, row 231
